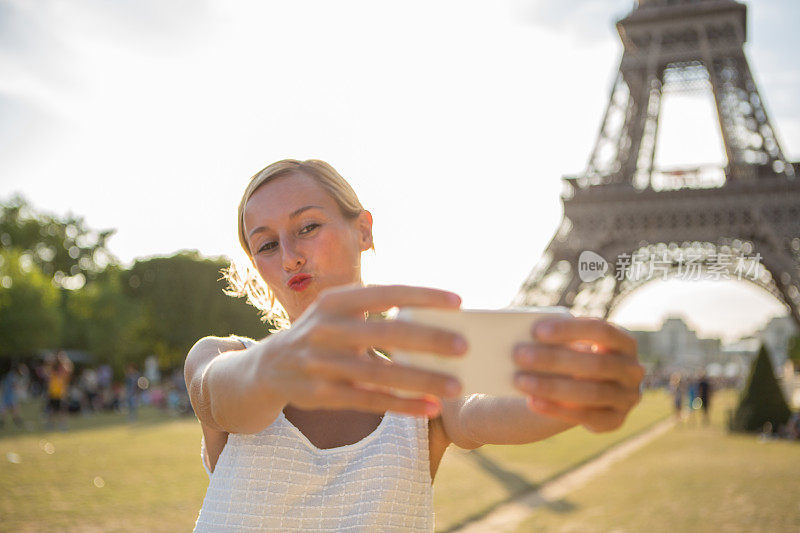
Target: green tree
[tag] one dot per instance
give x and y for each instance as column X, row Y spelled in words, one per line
column 182, row 300
column 64, row 248
column 762, row 400
column 108, row 322
column 30, row 317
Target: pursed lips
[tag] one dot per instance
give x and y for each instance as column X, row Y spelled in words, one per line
column 298, row 278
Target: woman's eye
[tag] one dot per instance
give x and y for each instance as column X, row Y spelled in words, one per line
column 267, row 246
column 311, row 226
column 271, row 245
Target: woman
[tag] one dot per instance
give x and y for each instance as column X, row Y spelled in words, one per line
column 301, row 430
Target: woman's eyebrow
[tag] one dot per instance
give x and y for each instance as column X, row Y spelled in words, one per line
column 296, row 213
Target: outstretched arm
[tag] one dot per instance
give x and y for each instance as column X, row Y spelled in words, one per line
column 224, row 386
column 321, row 362
column 478, row 419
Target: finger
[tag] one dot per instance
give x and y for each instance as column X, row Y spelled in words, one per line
column 337, row 395
column 608, row 337
column 391, row 375
column 354, row 299
column 561, row 360
column 390, row 334
column 575, row 391
column 592, row 419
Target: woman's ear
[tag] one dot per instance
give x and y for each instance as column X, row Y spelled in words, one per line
column 364, row 226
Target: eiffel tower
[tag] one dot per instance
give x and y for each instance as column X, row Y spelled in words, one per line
column 647, row 223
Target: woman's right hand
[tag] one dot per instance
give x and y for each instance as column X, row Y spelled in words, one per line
column 321, row 362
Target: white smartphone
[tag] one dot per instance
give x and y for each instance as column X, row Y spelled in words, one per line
column 488, row 365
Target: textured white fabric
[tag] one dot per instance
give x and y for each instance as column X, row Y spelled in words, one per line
column 277, row 480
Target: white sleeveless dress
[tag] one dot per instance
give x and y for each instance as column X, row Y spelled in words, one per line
column 277, row 480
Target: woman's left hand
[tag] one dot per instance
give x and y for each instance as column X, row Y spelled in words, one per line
column 584, row 371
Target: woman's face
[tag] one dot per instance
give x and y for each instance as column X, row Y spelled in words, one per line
column 294, row 227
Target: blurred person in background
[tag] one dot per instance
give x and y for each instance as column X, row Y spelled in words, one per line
column 158, row 396
column 76, row 399
column 704, row 394
column 105, row 380
column 58, row 372
column 10, row 387
column 691, row 388
column 791, row 430
column 90, row 385
column 132, row 391
column 115, row 397
column 178, row 395
column 676, row 388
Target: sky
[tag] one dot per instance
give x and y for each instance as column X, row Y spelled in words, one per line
column 453, row 120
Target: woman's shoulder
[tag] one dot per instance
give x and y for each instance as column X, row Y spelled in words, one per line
column 245, row 341
column 225, row 344
column 206, row 349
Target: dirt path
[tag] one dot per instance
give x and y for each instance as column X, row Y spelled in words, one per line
column 508, row 516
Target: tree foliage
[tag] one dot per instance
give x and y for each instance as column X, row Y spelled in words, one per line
column 762, row 400
column 182, row 300
column 64, row 248
column 30, row 316
column 106, row 321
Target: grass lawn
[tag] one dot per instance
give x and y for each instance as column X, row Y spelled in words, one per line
column 471, row 482
column 694, row 478
column 105, row 474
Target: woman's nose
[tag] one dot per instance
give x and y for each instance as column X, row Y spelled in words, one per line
column 292, row 257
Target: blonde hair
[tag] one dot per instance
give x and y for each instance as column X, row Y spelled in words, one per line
column 246, row 282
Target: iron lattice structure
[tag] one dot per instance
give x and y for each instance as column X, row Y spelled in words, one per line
column 716, row 220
